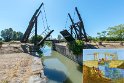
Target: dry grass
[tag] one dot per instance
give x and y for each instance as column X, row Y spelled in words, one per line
column 107, row 45
column 15, row 67
column 10, row 48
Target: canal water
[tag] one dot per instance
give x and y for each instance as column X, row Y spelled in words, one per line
column 60, row 69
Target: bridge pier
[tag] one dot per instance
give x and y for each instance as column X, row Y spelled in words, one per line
column 53, row 44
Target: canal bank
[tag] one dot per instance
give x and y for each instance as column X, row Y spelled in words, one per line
column 60, row 69
column 64, row 50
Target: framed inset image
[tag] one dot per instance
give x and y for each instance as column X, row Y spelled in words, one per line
column 103, row 66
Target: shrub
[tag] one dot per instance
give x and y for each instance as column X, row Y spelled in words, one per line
column 1, row 44
column 76, row 47
column 39, row 38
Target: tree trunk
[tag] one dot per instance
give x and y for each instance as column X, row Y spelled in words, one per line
column 121, row 43
column 100, row 43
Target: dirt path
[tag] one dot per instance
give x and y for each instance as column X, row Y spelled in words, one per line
column 19, row 67
column 106, row 45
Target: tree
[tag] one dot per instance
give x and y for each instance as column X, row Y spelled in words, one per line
column 116, row 31
column 19, row 35
column 39, row 38
column 99, row 34
column 0, row 39
column 14, row 37
column 102, row 35
column 7, row 34
column 59, row 37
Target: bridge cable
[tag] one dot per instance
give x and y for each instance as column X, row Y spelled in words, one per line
column 66, row 21
column 45, row 17
column 32, row 33
column 43, row 20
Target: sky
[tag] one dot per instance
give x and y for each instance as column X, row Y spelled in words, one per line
column 97, row 15
column 88, row 53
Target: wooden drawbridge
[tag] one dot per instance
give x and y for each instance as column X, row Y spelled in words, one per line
column 33, row 23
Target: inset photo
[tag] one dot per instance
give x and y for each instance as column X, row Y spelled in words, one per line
column 103, row 66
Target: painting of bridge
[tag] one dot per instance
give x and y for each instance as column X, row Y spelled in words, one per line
column 105, row 65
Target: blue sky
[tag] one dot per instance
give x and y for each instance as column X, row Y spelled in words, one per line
column 97, row 15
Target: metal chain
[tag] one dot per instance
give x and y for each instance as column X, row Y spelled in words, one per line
column 45, row 17
column 66, row 21
column 43, row 20
column 32, row 35
column 47, row 27
column 32, row 32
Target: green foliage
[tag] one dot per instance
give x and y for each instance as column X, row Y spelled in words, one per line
column 40, row 53
column 1, row 42
column 39, row 38
column 48, row 43
column 9, row 34
column 102, row 36
column 116, row 31
column 76, row 47
column 0, row 39
column 17, row 35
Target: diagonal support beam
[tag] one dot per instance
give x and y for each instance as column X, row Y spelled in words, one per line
column 42, row 41
column 31, row 25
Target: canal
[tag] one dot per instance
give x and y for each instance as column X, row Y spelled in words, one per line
column 60, row 69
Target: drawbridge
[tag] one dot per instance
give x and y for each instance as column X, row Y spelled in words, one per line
column 33, row 24
column 77, row 30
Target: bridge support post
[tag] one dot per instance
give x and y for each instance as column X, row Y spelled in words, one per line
column 35, row 42
column 53, row 44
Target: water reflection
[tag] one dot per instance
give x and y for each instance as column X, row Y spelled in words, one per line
column 55, row 75
column 46, row 50
column 55, row 70
column 60, row 69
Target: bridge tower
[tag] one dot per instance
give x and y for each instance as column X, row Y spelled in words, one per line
column 76, row 28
